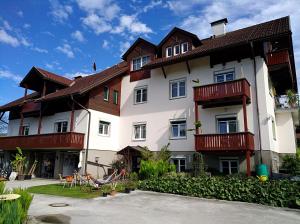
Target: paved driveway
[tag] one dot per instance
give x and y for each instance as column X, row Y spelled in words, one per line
column 29, row 183
column 156, row 208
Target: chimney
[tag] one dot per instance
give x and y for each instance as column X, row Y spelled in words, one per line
column 219, row 27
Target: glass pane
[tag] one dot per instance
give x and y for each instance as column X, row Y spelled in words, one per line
column 115, row 97
column 184, row 47
column 222, row 127
column 144, row 97
column 106, row 129
column 100, row 128
column 176, row 49
column 232, row 126
column 182, row 130
column 65, row 126
column 182, row 165
column 225, row 167
column 182, row 88
column 174, row 130
column 220, row 78
column 229, row 76
column 144, row 131
column 169, row 51
column 175, row 161
column 136, row 132
column 138, row 97
column 233, row 164
column 174, row 89
column 234, row 170
column 105, row 95
column 146, row 59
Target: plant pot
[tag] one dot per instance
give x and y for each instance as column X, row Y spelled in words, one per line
column 127, row 190
column 104, row 194
column 27, row 177
column 113, row 193
column 21, row 177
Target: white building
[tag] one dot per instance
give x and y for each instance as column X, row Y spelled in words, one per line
column 232, row 83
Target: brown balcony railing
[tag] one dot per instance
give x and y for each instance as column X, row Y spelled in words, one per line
column 67, row 140
column 139, row 75
column 240, row 141
column 278, row 57
column 218, row 92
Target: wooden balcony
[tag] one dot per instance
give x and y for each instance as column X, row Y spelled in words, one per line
column 222, row 94
column 31, row 107
column 278, row 59
column 139, row 75
column 232, row 142
column 67, row 140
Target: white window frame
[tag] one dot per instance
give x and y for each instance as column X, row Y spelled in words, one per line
column 61, row 131
column 274, row 132
column 105, row 124
column 23, row 129
column 174, row 49
column 225, row 117
column 167, row 52
column 179, row 158
column 187, row 47
column 106, row 98
column 140, row 124
column 171, row 129
column 141, row 62
column 224, row 73
column 229, row 160
column 116, row 97
column 178, row 89
column 142, row 89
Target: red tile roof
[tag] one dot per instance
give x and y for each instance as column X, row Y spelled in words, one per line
column 18, row 101
column 54, row 77
column 234, row 38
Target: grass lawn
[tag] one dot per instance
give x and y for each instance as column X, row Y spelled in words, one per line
column 58, row 190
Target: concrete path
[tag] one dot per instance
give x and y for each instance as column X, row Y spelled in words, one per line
column 150, row 207
column 29, row 183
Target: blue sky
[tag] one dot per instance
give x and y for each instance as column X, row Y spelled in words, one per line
column 66, row 37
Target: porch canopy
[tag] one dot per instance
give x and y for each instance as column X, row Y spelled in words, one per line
column 129, row 152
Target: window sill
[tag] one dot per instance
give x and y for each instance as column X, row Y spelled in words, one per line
column 178, row 138
column 102, row 135
column 139, row 140
column 178, row 97
column 137, row 103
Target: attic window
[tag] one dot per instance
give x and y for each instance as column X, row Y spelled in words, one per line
column 184, row 47
column 169, row 52
column 139, row 62
column 176, row 50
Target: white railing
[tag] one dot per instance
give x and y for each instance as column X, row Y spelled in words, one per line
column 283, row 102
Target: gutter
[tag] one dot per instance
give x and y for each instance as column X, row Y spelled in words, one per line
column 256, row 96
column 88, row 133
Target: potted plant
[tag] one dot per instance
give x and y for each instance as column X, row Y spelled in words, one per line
column 132, row 185
column 127, row 187
column 113, row 189
column 291, row 98
column 106, row 191
column 18, row 164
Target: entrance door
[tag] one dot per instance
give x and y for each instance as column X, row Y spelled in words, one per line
column 70, row 163
column 48, row 164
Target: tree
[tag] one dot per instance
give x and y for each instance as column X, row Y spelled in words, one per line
column 3, row 124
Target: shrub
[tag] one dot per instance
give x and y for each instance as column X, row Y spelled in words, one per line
column 155, row 168
column 281, row 193
column 14, row 211
column 291, row 163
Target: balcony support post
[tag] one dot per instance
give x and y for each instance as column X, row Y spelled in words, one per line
column 246, row 135
column 21, row 114
column 196, row 117
column 40, row 121
column 72, row 118
column 245, row 113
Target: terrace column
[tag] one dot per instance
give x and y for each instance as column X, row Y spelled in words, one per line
column 72, row 118
column 40, row 120
column 246, row 135
column 21, row 114
column 196, row 116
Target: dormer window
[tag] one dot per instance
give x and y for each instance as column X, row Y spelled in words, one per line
column 169, row 52
column 176, row 49
column 184, row 47
column 139, row 62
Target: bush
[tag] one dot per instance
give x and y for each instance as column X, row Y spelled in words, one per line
column 155, row 168
column 14, row 211
column 291, row 163
column 282, row 193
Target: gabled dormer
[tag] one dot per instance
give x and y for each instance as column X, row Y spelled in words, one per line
column 140, row 53
column 177, row 42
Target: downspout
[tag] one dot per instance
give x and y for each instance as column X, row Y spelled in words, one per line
column 256, row 96
column 88, row 133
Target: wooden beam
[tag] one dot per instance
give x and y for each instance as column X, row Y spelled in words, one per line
column 72, row 118
column 40, row 121
column 188, row 66
column 44, row 89
column 196, row 116
column 164, row 72
column 21, row 124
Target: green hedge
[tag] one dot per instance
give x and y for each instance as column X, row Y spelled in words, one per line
column 281, row 193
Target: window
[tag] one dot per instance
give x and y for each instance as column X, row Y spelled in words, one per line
column 140, row 95
column 139, row 131
column 116, row 95
column 273, row 129
column 106, row 93
column 180, row 164
column 168, row 52
column 227, row 125
column 61, row 126
column 177, row 88
column 104, row 128
column 138, row 63
column 25, row 130
column 224, row 76
column 178, row 129
column 176, row 50
column 229, row 166
column 184, row 47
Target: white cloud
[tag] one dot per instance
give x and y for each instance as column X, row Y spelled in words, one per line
column 40, row 50
column 124, row 47
column 105, row 44
column 103, row 8
column 77, row 35
column 76, row 74
column 6, row 74
column 131, row 24
column 180, row 7
column 7, row 26
column 20, row 13
column 53, row 65
column 67, row 50
column 26, row 26
column 96, row 23
column 60, row 12
column 152, row 5
column 48, row 33
column 8, row 39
